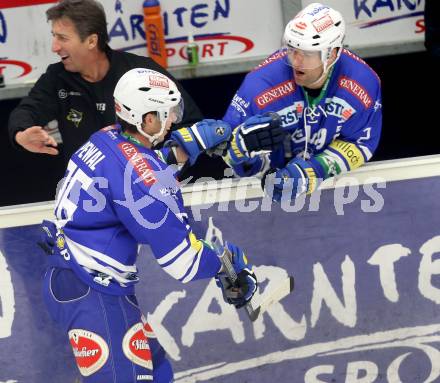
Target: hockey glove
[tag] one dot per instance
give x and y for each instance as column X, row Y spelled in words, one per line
column 241, row 292
column 297, row 177
column 258, row 134
column 210, row 136
column 47, row 237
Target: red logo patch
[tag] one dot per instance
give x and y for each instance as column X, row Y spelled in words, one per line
column 90, row 350
column 356, row 90
column 140, row 165
column 274, row 94
column 136, row 348
column 108, row 128
column 148, row 331
column 323, row 23
column 159, row 81
column 346, row 113
column 301, row 25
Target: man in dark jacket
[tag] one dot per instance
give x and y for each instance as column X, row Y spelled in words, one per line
column 78, row 91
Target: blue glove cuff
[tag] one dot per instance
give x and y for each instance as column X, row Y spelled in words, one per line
column 202, row 136
column 237, row 152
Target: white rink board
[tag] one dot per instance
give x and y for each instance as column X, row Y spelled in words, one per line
column 228, row 32
column 244, row 188
column 217, row 26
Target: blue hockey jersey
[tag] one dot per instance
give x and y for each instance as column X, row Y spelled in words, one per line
column 115, row 195
column 338, row 131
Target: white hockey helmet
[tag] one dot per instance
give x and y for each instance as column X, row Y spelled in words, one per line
column 316, row 28
column 140, row 91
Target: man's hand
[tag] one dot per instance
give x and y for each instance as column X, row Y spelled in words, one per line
column 36, row 140
column 242, row 291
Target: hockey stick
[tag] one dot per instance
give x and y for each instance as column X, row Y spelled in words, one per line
column 214, row 234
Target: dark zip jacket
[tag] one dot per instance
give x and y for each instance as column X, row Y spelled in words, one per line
column 81, row 108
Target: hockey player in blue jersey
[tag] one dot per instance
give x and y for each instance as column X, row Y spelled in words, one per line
column 328, row 100
column 119, row 192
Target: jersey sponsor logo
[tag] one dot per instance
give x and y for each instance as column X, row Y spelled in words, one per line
column 358, row 59
column 353, row 56
column 356, row 90
column 158, row 81
column 111, row 132
column 377, row 105
column 338, row 107
column 240, row 105
column 291, row 114
column 350, row 152
column 276, row 56
column 90, row 350
column 323, row 23
column 136, row 348
column 274, row 94
column 75, row 116
column 109, row 128
column 61, row 245
column 140, row 165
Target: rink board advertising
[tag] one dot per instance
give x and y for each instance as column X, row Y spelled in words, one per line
column 365, row 308
column 217, row 26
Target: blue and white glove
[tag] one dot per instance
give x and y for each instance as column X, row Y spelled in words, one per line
column 210, row 136
column 240, row 292
column 47, row 237
column 297, row 177
column 258, row 134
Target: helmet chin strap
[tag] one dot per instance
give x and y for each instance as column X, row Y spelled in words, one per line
column 155, row 137
column 326, row 68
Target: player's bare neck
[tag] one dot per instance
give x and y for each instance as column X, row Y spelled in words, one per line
column 138, row 139
column 98, row 68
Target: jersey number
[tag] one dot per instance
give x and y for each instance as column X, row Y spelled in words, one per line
column 65, row 207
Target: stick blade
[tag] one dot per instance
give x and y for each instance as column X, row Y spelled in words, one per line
column 283, row 290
